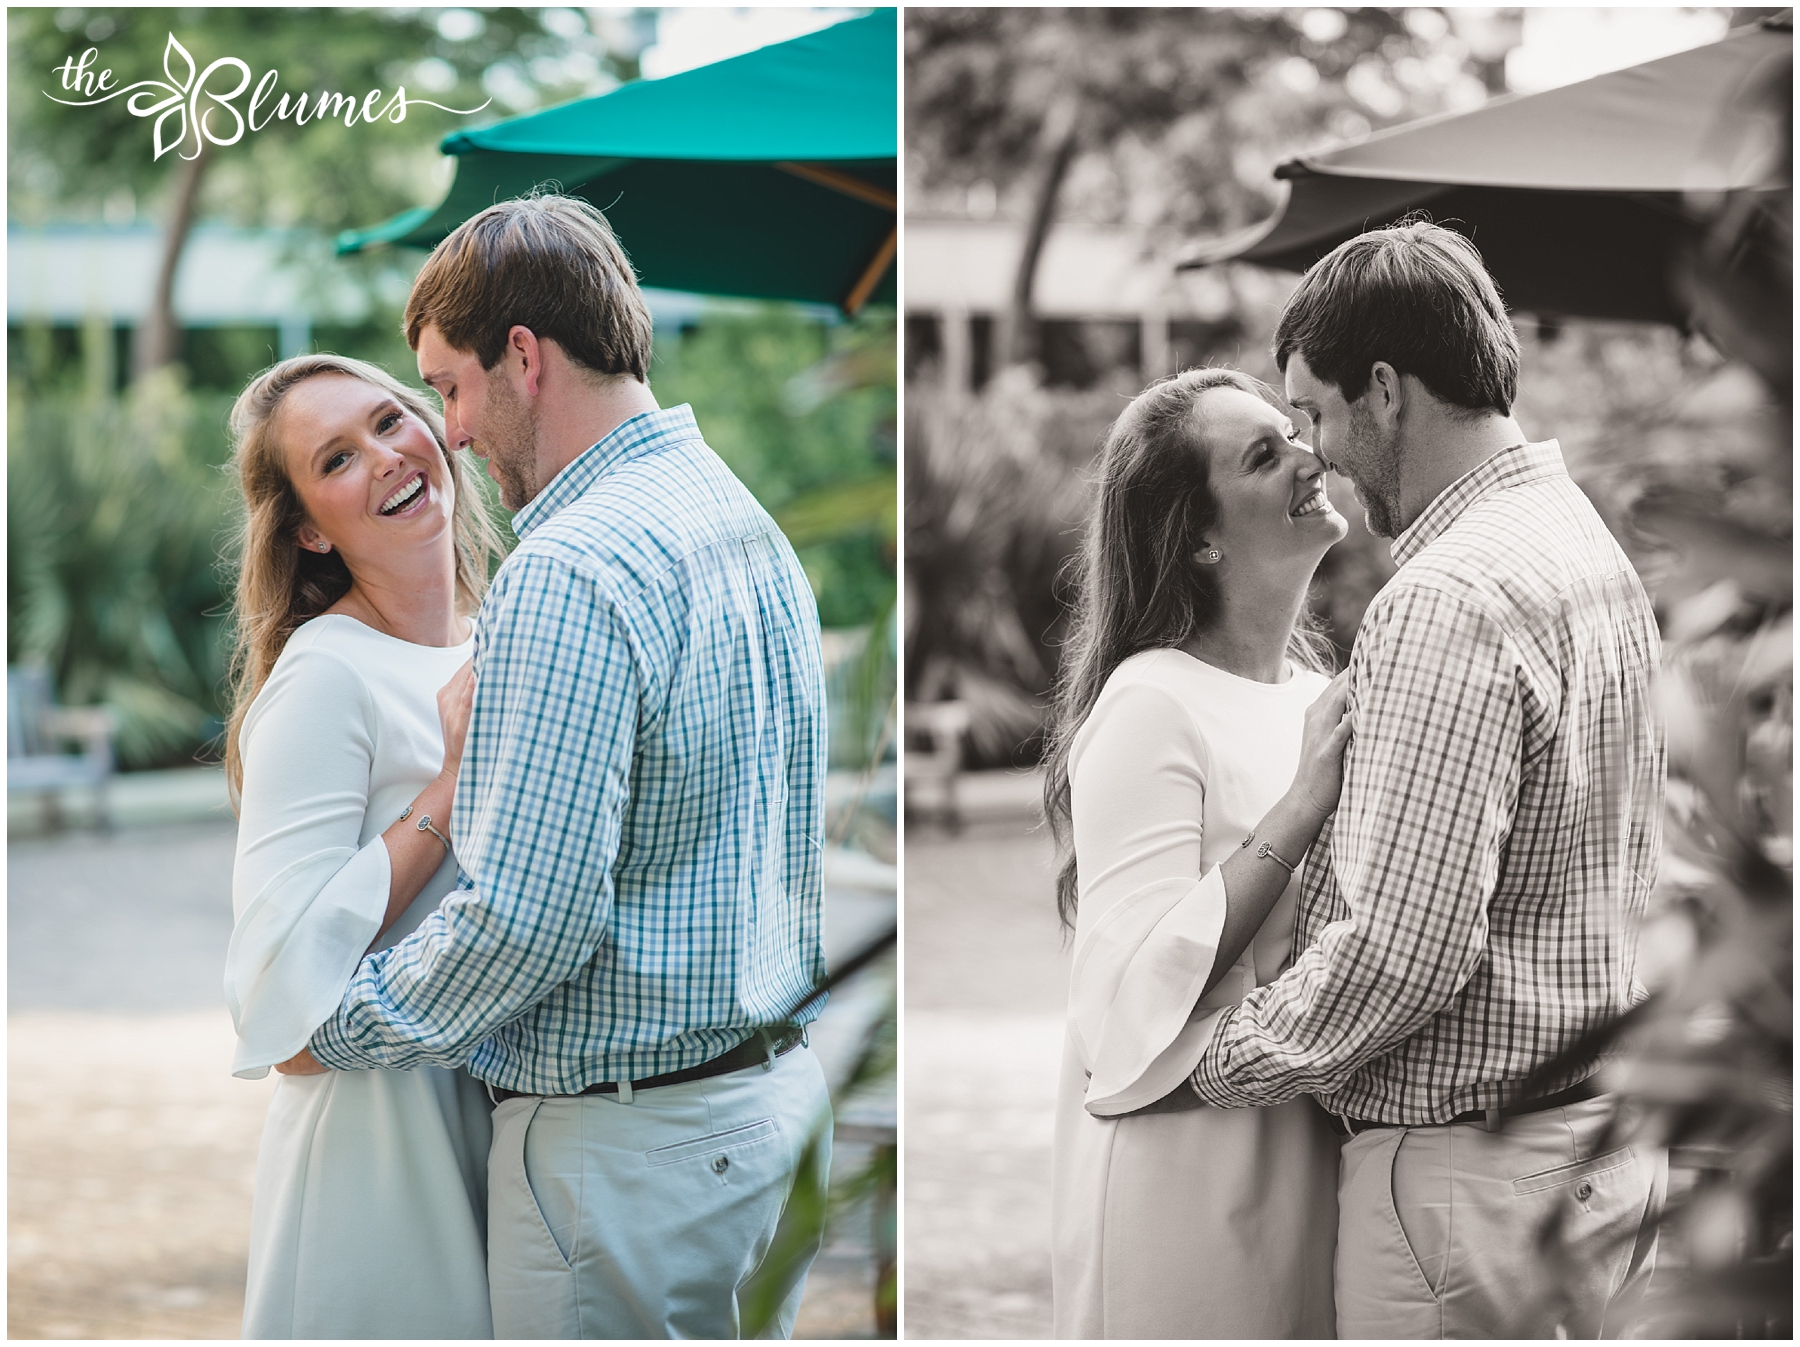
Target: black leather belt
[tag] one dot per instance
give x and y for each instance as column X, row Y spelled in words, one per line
column 753, row 1051
column 1587, row 1089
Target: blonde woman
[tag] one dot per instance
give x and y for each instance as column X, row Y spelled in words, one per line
column 363, row 557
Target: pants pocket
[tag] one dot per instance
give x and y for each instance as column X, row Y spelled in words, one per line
column 531, row 1284
column 717, row 1148
column 1421, row 1224
column 1576, row 1172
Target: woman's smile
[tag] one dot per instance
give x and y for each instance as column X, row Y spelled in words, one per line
column 1315, row 501
column 411, row 496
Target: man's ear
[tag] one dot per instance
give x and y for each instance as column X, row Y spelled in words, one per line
column 526, row 354
column 1384, row 397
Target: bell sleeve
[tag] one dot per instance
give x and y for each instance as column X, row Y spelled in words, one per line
column 1151, row 913
column 307, row 893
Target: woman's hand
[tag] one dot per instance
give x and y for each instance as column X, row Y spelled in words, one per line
column 1320, row 778
column 454, row 701
column 302, row 1063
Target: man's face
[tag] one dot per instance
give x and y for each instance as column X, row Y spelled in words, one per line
column 484, row 413
column 1346, row 436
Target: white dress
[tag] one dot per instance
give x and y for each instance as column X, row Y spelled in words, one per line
column 371, row 1186
column 1208, row 1223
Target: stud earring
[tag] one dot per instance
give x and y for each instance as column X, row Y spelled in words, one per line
column 1210, row 555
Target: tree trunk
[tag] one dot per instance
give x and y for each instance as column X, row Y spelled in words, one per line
column 157, row 340
column 1057, row 143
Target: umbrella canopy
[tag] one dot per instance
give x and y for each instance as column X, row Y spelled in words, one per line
column 770, row 175
column 1581, row 199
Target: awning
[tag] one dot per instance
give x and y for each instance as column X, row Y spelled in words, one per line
column 1579, row 198
column 770, row 175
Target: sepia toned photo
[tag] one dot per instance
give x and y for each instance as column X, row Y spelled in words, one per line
column 1347, row 672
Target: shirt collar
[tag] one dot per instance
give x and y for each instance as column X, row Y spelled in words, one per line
column 631, row 438
column 1510, row 467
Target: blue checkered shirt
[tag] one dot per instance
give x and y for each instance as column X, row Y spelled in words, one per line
column 639, row 818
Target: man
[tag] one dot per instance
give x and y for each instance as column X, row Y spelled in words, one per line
column 1473, row 909
column 638, row 818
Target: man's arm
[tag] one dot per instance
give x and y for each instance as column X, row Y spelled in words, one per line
column 538, row 819
column 1417, row 846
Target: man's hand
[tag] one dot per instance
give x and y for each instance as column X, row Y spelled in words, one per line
column 302, row 1063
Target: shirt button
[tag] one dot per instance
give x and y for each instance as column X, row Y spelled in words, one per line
column 723, row 1163
column 1584, row 1190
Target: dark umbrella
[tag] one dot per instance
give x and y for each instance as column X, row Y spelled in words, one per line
column 1592, row 200
column 770, row 175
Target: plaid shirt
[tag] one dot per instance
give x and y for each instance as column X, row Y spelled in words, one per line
column 639, row 815
column 1474, row 906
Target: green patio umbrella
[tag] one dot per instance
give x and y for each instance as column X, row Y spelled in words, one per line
column 770, row 175
column 1583, row 199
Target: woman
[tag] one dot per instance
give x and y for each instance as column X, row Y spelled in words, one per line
column 1191, row 719
column 363, row 556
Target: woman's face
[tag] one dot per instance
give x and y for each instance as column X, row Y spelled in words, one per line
column 368, row 472
column 1273, row 510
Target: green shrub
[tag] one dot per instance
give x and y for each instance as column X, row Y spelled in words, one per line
column 114, row 509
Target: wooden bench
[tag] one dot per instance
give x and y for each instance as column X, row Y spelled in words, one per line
column 37, row 730
column 934, row 738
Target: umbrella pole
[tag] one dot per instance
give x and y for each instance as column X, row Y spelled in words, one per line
column 865, row 285
column 841, row 182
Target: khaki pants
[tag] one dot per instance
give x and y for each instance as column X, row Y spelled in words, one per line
column 609, row 1219
column 1439, row 1228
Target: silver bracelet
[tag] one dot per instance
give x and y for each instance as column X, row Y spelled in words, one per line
column 424, row 826
column 1267, row 849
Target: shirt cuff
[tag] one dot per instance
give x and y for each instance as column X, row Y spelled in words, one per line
column 331, row 1044
column 1209, row 1077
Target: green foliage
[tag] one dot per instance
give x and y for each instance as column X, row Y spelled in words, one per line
column 114, row 509
column 804, row 414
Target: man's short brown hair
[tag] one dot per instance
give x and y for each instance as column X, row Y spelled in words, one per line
column 1415, row 295
column 549, row 263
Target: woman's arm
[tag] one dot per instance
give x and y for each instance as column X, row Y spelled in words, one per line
column 1253, row 882
column 414, row 852
column 307, row 895
column 1152, row 932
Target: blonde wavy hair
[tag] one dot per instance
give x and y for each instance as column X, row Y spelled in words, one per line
column 280, row 584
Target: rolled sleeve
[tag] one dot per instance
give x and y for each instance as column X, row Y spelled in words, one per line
column 1417, row 847
column 538, row 821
